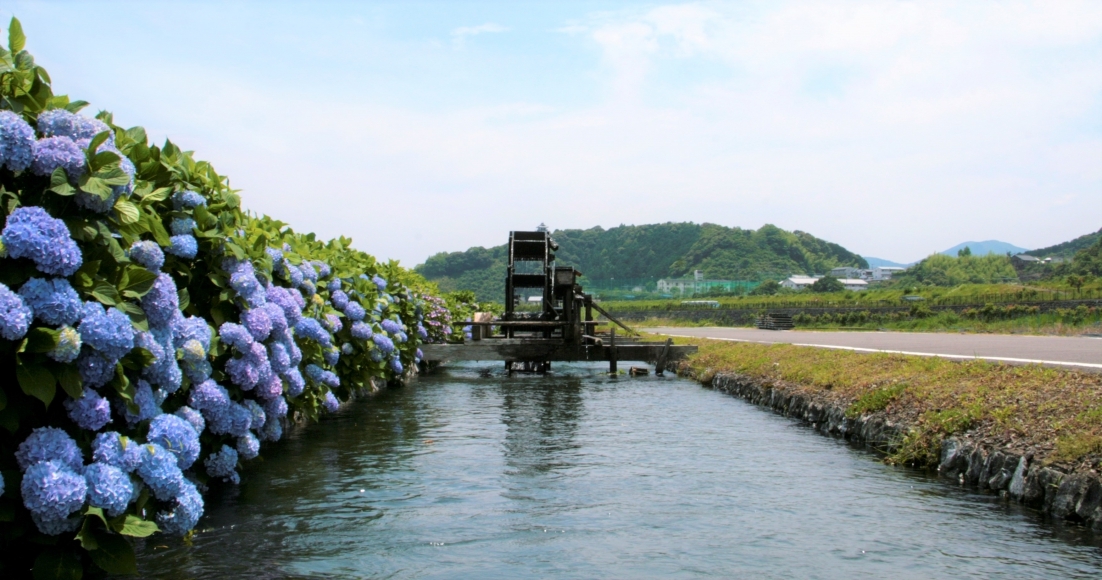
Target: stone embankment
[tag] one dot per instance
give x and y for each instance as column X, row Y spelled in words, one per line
column 1074, row 496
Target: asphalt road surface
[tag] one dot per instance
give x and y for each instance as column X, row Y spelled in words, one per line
column 1080, row 352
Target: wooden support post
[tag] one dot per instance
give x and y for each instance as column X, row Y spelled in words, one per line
column 612, row 352
column 660, row 364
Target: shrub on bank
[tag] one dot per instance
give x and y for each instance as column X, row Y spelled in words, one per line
column 184, row 333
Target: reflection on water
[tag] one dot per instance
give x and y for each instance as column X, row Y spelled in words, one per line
column 579, row 475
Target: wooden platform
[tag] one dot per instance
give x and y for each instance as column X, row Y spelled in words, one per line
column 519, row 349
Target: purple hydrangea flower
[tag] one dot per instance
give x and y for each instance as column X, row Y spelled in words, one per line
column 51, row 153
column 331, row 403
column 338, row 298
column 182, row 200
column 332, row 323
column 184, row 246
column 282, row 298
column 256, row 412
column 15, row 315
column 208, row 396
column 396, row 365
column 160, row 470
column 90, row 411
column 274, row 409
column 295, row 382
column 294, row 275
column 109, row 332
column 32, row 233
column 161, row 303
column 17, row 142
column 390, row 326
column 185, row 511
column 257, row 322
column 109, row 488
column 354, row 311
column 147, row 255
column 279, row 358
column 236, row 336
column 233, row 419
column 244, row 281
column 379, row 282
column 248, row 446
column 114, row 449
column 190, row 328
column 361, row 331
column 49, row 444
column 223, row 464
column 420, row 355
column 176, row 435
column 383, row 343
column 52, row 491
column 269, row 386
column 308, row 272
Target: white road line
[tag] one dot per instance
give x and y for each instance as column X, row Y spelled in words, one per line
column 942, row 355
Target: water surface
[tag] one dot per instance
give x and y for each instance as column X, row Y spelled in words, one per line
column 469, row 473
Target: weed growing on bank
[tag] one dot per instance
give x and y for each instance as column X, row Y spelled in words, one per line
column 1055, row 414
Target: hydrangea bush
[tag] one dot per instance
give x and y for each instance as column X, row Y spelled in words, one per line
column 153, row 335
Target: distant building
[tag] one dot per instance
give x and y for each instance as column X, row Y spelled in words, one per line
column 884, row 273
column 877, row 274
column 698, row 285
column 846, row 272
column 802, row 282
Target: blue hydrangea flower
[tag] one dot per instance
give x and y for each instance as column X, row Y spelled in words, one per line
column 307, row 288
column 53, row 152
column 384, row 343
column 243, row 372
column 190, row 328
column 15, row 315
column 160, row 471
column 109, row 488
column 144, row 399
column 235, row 335
column 272, row 430
column 274, row 409
column 109, row 332
column 17, row 142
column 361, row 331
column 311, row 329
column 424, row 334
column 257, row 322
column 32, row 233
column 256, row 412
column 269, row 386
column 322, row 268
column 354, row 311
column 184, row 246
column 49, row 444
column 95, row 370
column 147, row 255
column 333, row 285
column 339, row 299
column 276, row 255
column 331, row 355
column 90, row 411
column 208, row 396
column 390, row 326
column 161, row 303
column 233, row 419
column 182, row 226
column 193, row 417
column 332, row 323
column 282, row 298
column 347, row 349
column 244, row 281
column 331, row 403
column 176, row 435
column 114, row 449
column 295, row 383
column 308, row 272
column 185, row 512
column 294, row 275
column 182, row 200
column 54, row 301
column 248, row 446
column 396, row 365
column 223, row 464
column 420, row 355
column 52, row 491
column 379, row 282
column 57, row 122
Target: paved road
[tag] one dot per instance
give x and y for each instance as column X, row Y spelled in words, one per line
column 1081, row 352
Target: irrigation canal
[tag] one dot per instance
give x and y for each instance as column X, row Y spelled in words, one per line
column 469, row 474
column 1074, row 352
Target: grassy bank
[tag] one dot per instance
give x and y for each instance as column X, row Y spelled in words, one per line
column 1054, row 414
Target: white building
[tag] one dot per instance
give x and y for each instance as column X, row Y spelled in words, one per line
column 801, row 282
column 885, row 272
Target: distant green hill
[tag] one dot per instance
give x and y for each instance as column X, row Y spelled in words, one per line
column 653, row 251
column 1069, row 248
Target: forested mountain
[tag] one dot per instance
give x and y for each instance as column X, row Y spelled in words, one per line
column 653, row 251
column 984, row 248
column 1068, row 249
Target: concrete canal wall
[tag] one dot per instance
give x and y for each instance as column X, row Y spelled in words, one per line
column 1073, row 496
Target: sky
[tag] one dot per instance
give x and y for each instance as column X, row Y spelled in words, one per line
column 896, row 129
